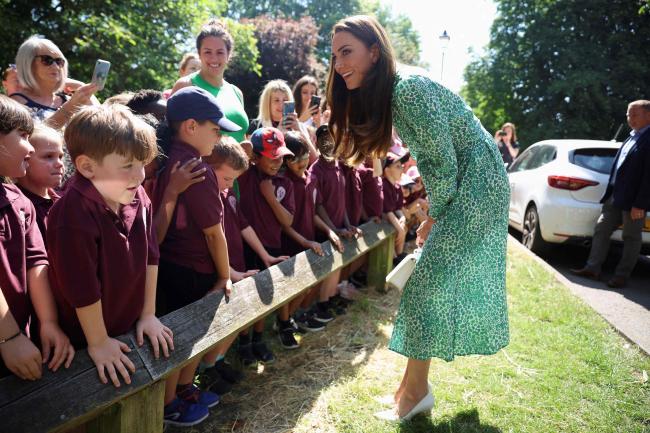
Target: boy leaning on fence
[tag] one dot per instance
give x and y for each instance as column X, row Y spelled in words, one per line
column 102, row 247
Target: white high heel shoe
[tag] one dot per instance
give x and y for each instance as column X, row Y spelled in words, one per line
column 389, row 399
column 425, row 405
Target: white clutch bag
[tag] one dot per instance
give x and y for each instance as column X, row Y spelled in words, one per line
column 399, row 276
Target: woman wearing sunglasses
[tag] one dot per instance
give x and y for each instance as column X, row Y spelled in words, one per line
column 42, row 73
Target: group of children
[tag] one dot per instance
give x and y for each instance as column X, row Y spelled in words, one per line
column 89, row 260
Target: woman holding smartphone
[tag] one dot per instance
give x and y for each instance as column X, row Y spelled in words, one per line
column 305, row 93
column 42, row 73
column 277, row 109
column 455, row 301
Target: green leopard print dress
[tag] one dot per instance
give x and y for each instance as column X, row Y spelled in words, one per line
column 455, row 301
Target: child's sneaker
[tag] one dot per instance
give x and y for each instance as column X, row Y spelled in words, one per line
column 287, row 339
column 227, row 372
column 322, row 313
column 307, row 323
column 211, row 380
column 262, row 353
column 184, row 414
column 246, row 355
column 192, row 394
column 359, row 279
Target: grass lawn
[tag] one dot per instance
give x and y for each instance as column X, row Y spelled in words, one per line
column 565, row 370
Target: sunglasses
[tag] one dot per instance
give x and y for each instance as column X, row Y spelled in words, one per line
column 48, row 60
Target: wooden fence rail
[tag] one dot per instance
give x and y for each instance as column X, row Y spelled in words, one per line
column 71, row 397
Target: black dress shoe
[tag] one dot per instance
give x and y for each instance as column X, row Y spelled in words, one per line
column 585, row 272
column 617, row 282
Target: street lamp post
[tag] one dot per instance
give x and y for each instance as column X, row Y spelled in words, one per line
column 444, row 42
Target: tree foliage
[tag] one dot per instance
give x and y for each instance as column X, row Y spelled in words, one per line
column 286, row 51
column 561, row 68
column 143, row 39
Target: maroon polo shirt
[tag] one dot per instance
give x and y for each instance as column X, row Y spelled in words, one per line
column 256, row 209
column 21, row 248
column 42, row 206
column 353, row 193
column 234, row 222
column 393, row 197
column 97, row 254
column 197, row 208
column 305, row 196
column 372, row 192
column 331, row 184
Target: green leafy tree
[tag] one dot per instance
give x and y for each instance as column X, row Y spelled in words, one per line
column 561, row 68
column 143, row 39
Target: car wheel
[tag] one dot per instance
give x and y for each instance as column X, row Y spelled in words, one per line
column 531, row 235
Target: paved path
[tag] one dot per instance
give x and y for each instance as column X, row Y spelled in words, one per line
column 627, row 310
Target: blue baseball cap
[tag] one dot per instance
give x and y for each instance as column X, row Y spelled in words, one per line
column 198, row 104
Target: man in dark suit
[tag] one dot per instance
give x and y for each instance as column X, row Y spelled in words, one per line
column 626, row 199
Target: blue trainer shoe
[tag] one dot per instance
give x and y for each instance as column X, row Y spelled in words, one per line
column 184, row 414
column 194, row 395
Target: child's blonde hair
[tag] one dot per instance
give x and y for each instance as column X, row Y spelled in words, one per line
column 97, row 131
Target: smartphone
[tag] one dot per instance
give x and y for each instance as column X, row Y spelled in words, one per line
column 100, row 73
column 288, row 107
column 315, row 101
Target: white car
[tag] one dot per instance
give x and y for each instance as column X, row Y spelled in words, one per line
column 556, row 187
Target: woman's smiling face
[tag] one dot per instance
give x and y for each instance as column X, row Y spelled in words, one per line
column 352, row 59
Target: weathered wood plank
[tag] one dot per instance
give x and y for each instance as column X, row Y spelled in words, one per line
column 201, row 325
column 71, row 397
column 67, row 397
column 141, row 412
column 380, row 263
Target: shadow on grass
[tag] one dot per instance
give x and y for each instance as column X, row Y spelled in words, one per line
column 466, row 422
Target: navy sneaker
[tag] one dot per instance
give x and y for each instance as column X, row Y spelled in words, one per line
column 184, row 414
column 307, row 323
column 246, row 355
column 193, row 394
column 262, row 353
column 227, row 372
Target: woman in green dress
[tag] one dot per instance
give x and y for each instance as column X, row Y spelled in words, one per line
column 455, row 301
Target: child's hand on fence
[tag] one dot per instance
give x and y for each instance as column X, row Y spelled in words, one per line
column 336, row 241
column 315, row 247
column 52, row 337
column 110, row 357
column 343, row 233
column 270, row 260
column 238, row 276
column 22, row 357
column 159, row 335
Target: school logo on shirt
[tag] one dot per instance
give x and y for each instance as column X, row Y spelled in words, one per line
column 280, row 193
column 232, row 201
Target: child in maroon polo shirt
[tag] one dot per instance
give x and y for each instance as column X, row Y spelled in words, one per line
column 301, row 234
column 268, row 205
column 372, row 193
column 394, row 200
column 229, row 161
column 44, row 173
column 103, row 251
column 193, row 255
column 24, row 285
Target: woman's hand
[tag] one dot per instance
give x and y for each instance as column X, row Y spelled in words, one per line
column 81, row 96
column 290, row 122
column 423, row 231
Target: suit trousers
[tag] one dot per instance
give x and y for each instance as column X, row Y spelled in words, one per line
column 610, row 219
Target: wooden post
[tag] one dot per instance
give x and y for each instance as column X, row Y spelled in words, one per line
column 141, row 412
column 380, row 263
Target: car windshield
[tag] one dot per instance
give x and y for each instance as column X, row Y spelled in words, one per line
column 597, row 159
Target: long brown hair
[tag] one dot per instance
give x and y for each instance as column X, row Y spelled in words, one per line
column 362, row 120
column 297, row 89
